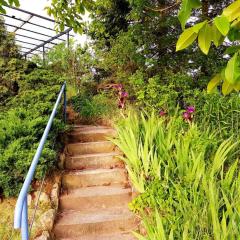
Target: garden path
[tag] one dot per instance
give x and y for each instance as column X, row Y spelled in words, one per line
column 95, row 190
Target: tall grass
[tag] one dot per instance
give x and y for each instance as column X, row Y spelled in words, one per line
column 190, row 186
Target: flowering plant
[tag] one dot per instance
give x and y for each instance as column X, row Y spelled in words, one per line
column 122, row 95
column 188, row 114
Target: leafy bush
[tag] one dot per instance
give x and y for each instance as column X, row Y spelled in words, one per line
column 94, row 107
column 165, row 91
column 217, row 113
column 189, row 184
column 22, row 126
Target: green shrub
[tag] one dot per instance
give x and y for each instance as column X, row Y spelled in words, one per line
column 94, row 107
column 22, row 125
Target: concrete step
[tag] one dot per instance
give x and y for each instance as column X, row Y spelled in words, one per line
column 94, row 198
column 98, row 177
column 84, row 126
column 90, row 148
column 91, row 134
column 117, row 236
column 78, row 224
column 93, row 161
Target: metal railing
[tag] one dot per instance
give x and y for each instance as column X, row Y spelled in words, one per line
column 21, row 209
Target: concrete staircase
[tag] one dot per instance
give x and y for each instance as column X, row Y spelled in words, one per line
column 94, row 201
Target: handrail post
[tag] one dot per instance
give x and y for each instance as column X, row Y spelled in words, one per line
column 65, row 104
column 24, row 227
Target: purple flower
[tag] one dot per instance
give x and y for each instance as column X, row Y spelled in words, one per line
column 124, row 94
column 190, row 109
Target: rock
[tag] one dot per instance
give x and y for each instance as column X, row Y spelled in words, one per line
column 29, row 200
column 61, row 161
column 47, row 220
column 45, row 236
column 44, row 198
column 54, row 195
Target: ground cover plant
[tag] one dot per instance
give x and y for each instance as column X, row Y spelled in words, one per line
column 188, row 180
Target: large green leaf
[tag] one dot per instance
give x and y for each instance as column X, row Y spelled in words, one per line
column 214, row 83
column 185, row 11
column 188, row 36
column 227, row 88
column 205, row 38
column 217, row 37
column 186, row 39
column 232, row 72
column 222, row 24
column 232, row 11
column 199, row 26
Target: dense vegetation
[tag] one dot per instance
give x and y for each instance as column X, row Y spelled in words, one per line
column 27, row 98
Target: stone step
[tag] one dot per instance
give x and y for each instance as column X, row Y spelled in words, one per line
column 110, row 221
column 90, row 148
column 97, row 177
column 94, row 198
column 91, row 134
column 93, row 161
column 117, row 236
column 83, row 126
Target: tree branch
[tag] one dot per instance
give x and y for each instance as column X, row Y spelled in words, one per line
column 160, row 10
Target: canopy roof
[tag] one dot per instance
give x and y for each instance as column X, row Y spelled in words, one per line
column 34, row 33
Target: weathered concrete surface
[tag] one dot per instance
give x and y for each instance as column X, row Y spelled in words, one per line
column 95, row 194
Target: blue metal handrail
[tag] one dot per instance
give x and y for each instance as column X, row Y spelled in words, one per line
column 21, row 209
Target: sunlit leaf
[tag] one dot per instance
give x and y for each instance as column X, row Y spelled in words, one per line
column 222, row 24
column 217, row 37
column 185, row 11
column 205, row 38
column 232, row 72
column 214, row 83
column 232, row 11
column 186, row 39
column 227, row 88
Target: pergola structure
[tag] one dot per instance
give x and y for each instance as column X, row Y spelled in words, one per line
column 34, row 34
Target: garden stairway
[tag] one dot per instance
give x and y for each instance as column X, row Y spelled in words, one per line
column 94, row 201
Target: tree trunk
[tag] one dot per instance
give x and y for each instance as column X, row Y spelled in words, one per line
column 205, row 6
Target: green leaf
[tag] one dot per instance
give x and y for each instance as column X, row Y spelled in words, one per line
column 234, row 34
column 197, row 27
column 232, row 72
column 222, row 25
column 232, row 49
column 232, row 11
column 214, row 83
column 186, row 39
column 185, row 11
column 217, row 37
column 227, row 88
column 205, row 38
column 236, row 23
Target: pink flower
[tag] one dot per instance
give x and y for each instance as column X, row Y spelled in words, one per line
column 162, row 113
column 187, row 116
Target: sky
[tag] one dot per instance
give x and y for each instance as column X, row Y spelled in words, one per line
column 37, row 7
